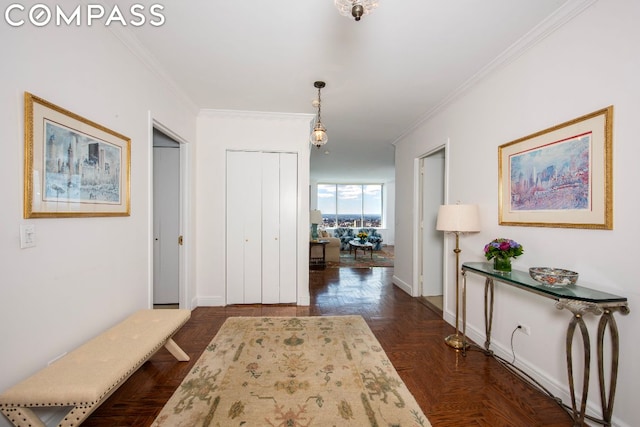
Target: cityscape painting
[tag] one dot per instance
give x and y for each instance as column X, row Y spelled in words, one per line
column 73, row 167
column 553, row 177
column 559, row 177
column 79, row 168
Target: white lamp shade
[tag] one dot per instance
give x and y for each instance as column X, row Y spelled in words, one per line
column 315, row 217
column 460, row 218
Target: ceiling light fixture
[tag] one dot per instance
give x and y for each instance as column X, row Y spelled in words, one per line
column 355, row 8
column 319, row 135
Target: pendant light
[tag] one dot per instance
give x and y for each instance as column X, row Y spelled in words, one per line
column 319, row 135
column 355, row 8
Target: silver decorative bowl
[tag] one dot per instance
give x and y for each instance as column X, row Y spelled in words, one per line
column 553, row 276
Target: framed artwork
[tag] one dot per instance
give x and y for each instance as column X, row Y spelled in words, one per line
column 73, row 167
column 559, row 177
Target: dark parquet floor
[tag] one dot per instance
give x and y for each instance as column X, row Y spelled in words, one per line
column 452, row 390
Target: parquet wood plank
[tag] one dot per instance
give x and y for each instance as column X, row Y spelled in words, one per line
column 452, row 390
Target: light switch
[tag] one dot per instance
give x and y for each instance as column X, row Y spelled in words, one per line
column 27, row 236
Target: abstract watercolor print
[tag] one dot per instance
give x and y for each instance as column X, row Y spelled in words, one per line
column 553, row 177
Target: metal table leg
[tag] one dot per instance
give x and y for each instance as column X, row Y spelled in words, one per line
column 607, row 321
column 488, row 312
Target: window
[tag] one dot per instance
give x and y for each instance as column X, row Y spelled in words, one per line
column 350, row 205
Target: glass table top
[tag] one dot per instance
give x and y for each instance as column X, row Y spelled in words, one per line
column 523, row 280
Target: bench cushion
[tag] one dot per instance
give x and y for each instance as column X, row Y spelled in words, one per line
column 88, row 373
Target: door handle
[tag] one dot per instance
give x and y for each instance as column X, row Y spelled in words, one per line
column 180, row 240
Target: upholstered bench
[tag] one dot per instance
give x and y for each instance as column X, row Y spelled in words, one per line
column 87, row 376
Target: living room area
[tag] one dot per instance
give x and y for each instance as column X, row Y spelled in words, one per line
column 351, row 225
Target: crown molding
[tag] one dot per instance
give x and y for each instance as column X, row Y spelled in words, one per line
column 553, row 22
column 255, row 115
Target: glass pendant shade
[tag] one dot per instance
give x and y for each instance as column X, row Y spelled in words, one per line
column 355, row 8
column 319, row 135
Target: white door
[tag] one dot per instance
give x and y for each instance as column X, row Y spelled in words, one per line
column 279, row 227
column 166, row 224
column 244, row 228
column 261, row 241
column 432, row 240
column 288, row 227
column 271, row 228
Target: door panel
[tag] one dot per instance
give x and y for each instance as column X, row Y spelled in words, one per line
column 243, row 240
column 252, row 197
column 235, row 231
column 261, row 242
column 432, row 198
column 270, row 228
column 289, row 227
column 166, row 225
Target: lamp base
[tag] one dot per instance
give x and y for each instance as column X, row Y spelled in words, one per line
column 314, row 231
column 455, row 341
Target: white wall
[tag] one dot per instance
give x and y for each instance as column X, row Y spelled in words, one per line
column 219, row 131
column 588, row 64
column 85, row 274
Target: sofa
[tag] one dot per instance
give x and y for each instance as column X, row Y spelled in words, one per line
column 373, row 237
column 331, row 249
column 346, row 234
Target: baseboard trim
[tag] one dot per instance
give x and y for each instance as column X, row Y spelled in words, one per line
column 402, row 284
column 210, row 302
column 555, row 387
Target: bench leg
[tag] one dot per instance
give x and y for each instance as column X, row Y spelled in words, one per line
column 78, row 414
column 175, row 349
column 20, row 417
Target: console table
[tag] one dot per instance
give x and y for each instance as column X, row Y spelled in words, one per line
column 579, row 301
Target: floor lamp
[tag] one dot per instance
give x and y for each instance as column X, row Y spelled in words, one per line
column 458, row 219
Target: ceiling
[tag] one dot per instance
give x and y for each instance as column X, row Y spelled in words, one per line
column 384, row 74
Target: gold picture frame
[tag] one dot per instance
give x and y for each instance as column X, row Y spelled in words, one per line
column 559, row 177
column 73, row 167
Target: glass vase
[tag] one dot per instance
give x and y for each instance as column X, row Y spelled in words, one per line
column 502, row 264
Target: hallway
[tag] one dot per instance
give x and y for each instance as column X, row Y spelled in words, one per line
column 452, row 390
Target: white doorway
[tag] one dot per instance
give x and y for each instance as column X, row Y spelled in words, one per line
column 432, row 192
column 166, row 220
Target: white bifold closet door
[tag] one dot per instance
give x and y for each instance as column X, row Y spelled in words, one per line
column 261, row 240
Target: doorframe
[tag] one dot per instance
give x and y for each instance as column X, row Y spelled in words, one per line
column 417, row 288
column 184, row 251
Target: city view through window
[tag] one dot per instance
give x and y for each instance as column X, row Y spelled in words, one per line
column 350, row 205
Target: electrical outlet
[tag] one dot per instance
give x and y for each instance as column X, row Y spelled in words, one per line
column 524, row 328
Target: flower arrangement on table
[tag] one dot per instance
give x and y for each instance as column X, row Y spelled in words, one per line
column 362, row 236
column 501, row 251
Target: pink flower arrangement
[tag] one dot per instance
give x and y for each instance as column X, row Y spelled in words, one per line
column 503, row 248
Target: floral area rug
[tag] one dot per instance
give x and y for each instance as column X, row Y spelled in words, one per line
column 293, row 371
column 382, row 258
